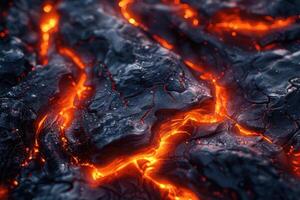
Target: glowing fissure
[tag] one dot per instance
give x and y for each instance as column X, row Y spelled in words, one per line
column 221, row 96
column 163, row 42
column 188, row 13
column 152, row 158
column 294, row 157
column 66, row 105
column 48, row 26
column 169, row 132
column 234, row 23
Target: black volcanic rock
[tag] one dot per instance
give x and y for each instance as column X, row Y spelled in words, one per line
column 274, row 75
column 247, row 174
column 19, row 108
column 16, row 133
column 135, row 86
column 141, row 79
column 14, row 63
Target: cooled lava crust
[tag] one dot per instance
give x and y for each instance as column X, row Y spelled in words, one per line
column 150, row 99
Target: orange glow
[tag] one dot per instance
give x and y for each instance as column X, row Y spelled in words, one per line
column 169, row 132
column 148, row 161
column 163, row 42
column 234, row 23
column 41, row 123
column 34, row 152
column 47, row 8
column 3, row 33
column 185, row 11
column 221, row 101
column 38, row 130
column 246, row 132
column 124, row 4
column 294, row 157
column 3, row 192
column 67, row 104
column 15, row 183
column 48, row 26
column 70, row 54
column 193, row 66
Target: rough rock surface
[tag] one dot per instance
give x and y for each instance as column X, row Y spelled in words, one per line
column 136, row 85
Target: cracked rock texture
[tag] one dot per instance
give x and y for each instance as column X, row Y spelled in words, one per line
column 137, row 84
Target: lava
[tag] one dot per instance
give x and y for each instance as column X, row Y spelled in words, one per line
column 48, row 26
column 163, row 42
column 185, row 11
column 221, row 102
column 67, row 104
column 220, row 92
column 169, row 132
column 294, row 157
column 234, row 22
column 149, row 161
column 124, row 6
column 75, row 58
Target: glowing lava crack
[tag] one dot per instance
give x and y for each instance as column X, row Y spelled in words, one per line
column 48, row 26
column 66, row 105
column 170, row 132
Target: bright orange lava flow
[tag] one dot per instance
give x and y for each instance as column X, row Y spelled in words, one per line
column 75, row 58
column 235, row 23
column 185, row 11
column 124, row 6
column 48, row 26
column 66, row 105
column 221, row 96
column 169, row 132
column 163, row 42
column 222, row 102
column 148, row 162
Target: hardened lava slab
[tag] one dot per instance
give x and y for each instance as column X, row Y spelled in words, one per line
column 149, row 100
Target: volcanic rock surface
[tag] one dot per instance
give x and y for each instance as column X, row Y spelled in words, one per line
column 160, row 99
